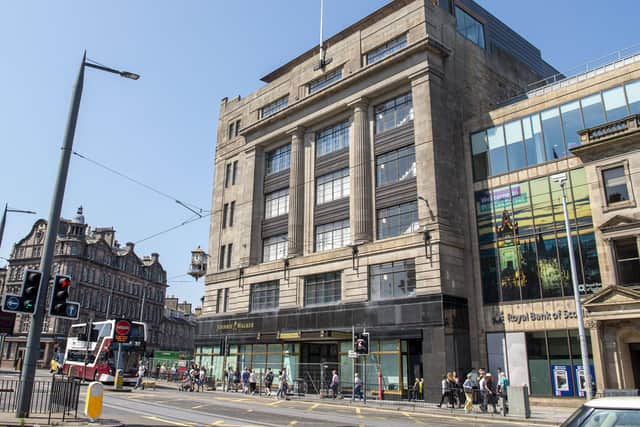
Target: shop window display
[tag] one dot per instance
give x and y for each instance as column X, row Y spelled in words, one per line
column 523, row 244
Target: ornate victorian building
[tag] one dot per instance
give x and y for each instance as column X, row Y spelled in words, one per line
column 109, row 280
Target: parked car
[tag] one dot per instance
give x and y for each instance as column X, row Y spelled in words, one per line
column 607, row 412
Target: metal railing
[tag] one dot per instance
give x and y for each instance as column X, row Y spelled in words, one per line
column 57, row 395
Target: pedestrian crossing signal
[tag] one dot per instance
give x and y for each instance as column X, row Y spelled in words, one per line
column 59, row 306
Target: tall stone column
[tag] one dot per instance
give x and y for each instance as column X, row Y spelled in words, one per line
column 360, row 174
column 296, row 192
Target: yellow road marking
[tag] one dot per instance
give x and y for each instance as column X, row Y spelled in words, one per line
column 198, row 406
column 292, row 423
column 217, row 423
column 277, row 402
column 358, row 411
column 408, row 415
column 162, row 420
column 249, row 410
column 314, row 406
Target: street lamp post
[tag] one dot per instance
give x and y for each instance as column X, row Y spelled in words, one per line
column 561, row 179
column 4, row 218
column 35, row 328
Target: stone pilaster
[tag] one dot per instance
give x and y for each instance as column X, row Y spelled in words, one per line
column 360, row 206
column 309, row 193
column 296, row 192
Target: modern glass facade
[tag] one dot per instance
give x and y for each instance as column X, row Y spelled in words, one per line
column 523, row 244
column 550, row 134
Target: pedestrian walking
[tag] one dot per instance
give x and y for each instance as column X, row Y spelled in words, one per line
column 282, row 390
column 357, row 387
column 245, row 380
column 467, row 387
column 139, row 380
column 202, row 376
column 481, row 386
column 268, row 382
column 421, row 389
column 446, row 389
column 490, row 393
column 253, row 381
column 236, row 379
column 415, row 389
column 502, row 389
column 335, row 383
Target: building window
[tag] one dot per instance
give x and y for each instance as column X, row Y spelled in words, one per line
column 386, row 49
column 225, row 211
column 332, row 236
column 397, row 220
column 274, row 248
column 229, row 252
column 221, row 260
column 627, row 260
column 264, row 297
column 225, row 306
column 227, row 175
column 393, row 113
column 278, row 159
column 274, row 107
column 392, row 280
column 325, row 80
column 332, row 139
column 615, row 185
column 469, row 27
column 232, row 209
column 276, row 203
column 332, row 186
column 237, row 130
column 322, row 289
column 234, row 179
column 232, row 130
column 396, row 166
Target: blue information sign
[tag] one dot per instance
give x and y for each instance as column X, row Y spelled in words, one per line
column 561, row 380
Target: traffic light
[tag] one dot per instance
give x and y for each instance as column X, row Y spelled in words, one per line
column 59, row 306
column 362, row 344
column 26, row 301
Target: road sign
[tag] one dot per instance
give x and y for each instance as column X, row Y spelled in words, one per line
column 72, row 310
column 12, row 302
column 123, row 328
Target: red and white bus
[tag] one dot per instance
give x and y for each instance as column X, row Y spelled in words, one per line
column 96, row 356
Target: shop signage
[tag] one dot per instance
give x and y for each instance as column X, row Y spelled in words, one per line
column 498, row 317
column 235, row 326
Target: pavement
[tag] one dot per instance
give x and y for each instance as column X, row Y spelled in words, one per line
column 165, row 407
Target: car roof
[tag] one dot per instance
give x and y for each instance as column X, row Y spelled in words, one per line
column 621, row 402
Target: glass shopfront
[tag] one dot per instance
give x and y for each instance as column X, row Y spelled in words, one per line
column 523, row 244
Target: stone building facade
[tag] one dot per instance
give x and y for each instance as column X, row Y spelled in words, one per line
column 585, row 127
column 339, row 199
column 109, row 281
column 177, row 328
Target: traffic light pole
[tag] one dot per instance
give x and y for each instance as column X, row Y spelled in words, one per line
column 35, row 329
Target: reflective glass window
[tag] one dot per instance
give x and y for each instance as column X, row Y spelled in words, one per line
column 549, row 266
column 515, row 145
column 395, row 166
column 537, row 356
column 276, row 203
column 469, row 27
column 386, row 49
column 397, row 220
column 529, row 268
column 552, row 131
column 332, row 139
column 580, row 190
column 521, row 208
column 572, row 122
column 615, row 184
column 489, row 274
column 332, row 186
column 565, row 265
column 479, row 151
column 321, row 289
column 497, row 151
column 274, row 248
column 392, row 280
column 332, row 236
column 591, row 268
column 393, row 113
column 628, row 261
column 592, row 110
column 615, row 104
column 279, row 159
column 633, row 96
column 534, row 146
column 484, row 217
column 264, row 296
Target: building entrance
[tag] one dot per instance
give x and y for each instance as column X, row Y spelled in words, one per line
column 317, row 360
column 634, row 353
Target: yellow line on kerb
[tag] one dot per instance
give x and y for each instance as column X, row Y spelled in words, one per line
column 314, row 406
column 292, row 423
column 162, row 420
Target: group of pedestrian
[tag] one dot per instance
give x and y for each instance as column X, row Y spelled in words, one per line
column 490, row 390
column 193, row 379
column 417, row 391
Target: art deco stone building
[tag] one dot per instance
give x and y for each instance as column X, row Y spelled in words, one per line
column 109, row 281
column 587, row 127
column 340, row 198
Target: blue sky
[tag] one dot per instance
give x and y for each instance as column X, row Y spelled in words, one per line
column 161, row 129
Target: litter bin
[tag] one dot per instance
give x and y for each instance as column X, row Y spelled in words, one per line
column 519, row 401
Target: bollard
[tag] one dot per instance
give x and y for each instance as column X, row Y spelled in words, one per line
column 118, row 381
column 93, row 402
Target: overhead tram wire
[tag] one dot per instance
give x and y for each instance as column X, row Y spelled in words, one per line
column 191, row 207
column 182, row 224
